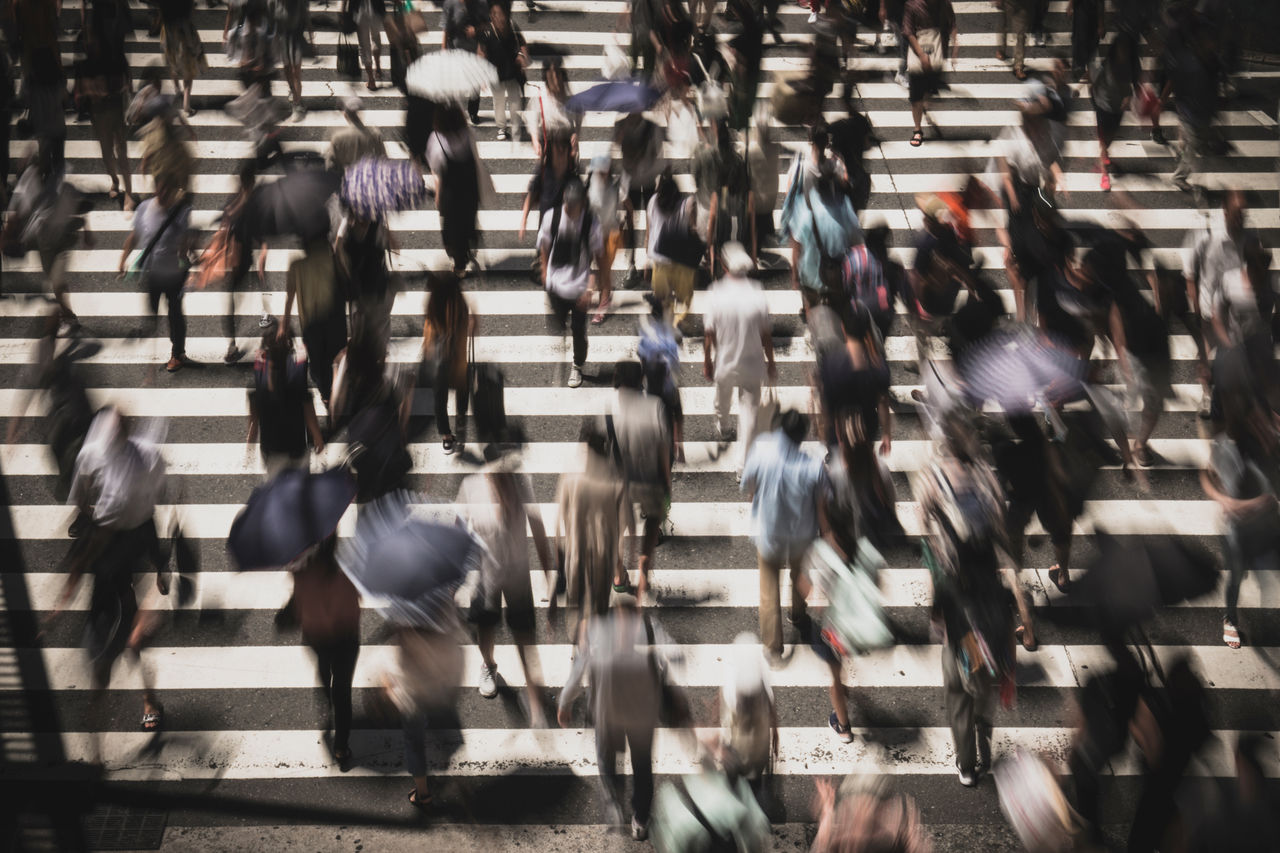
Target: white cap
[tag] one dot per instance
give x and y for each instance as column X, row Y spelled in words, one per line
column 735, row 258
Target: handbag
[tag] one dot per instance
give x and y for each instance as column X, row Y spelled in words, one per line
column 931, row 45
column 678, row 242
column 216, row 260
column 347, row 23
column 348, row 59
column 766, row 413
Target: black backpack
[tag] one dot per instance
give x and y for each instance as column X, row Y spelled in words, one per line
column 378, row 454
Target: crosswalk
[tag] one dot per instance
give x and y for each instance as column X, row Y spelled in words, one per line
column 242, row 743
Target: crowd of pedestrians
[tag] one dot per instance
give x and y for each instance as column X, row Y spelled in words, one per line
column 1022, row 411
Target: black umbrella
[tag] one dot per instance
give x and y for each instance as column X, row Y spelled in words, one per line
column 294, row 205
column 288, row 515
column 410, row 566
column 1129, row 580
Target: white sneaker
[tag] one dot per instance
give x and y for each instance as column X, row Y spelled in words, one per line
column 969, row 780
column 813, row 17
column 639, row 831
column 488, row 681
column 900, row 79
column 575, row 376
column 299, row 112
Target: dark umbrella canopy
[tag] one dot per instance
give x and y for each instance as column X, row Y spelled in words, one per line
column 1129, row 580
column 1018, row 366
column 615, row 96
column 411, row 567
column 294, row 205
column 288, row 515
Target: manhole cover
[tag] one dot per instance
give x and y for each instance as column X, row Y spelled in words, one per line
column 122, row 828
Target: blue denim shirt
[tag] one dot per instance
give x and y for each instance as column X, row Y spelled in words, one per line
column 786, row 483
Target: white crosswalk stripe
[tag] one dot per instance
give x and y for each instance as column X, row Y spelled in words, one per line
column 706, row 580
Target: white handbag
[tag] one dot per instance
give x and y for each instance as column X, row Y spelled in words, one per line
column 931, row 45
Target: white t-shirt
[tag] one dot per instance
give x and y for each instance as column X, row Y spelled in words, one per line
column 507, row 550
column 569, row 281
column 738, row 314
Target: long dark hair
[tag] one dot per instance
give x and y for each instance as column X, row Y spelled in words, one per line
column 667, row 193
column 447, row 312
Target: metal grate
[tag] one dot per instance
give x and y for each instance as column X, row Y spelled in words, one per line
column 111, row 827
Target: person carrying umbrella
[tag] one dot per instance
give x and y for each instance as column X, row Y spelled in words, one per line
column 568, row 241
column 463, row 29
column 451, row 158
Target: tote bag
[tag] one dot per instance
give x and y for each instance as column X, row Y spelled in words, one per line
column 931, row 45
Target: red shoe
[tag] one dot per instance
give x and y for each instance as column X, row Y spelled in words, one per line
column 1106, row 181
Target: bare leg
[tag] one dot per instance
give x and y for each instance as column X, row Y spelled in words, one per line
column 839, row 696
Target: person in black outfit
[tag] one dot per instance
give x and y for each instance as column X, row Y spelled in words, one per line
column 281, row 412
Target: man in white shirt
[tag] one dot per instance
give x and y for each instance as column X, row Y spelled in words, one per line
column 738, row 351
column 568, row 241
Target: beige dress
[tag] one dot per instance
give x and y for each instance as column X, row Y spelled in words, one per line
column 594, row 513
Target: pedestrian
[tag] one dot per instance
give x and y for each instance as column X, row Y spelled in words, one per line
column 252, row 43
column 292, row 24
column 643, row 17
column 1107, row 701
column 555, row 169
column 451, row 157
column 463, row 29
column 162, row 229
column 866, row 816
column 367, row 15
column 1195, row 89
column 963, row 510
column 637, row 427
column 311, row 285
column 447, row 333
column 738, row 349
column 282, row 415
column 328, row 610
column 763, row 155
column 419, row 113
column 787, row 487
column 360, row 252
column 106, row 81
column 568, row 241
column 34, row 34
column 593, row 516
column 642, row 161
column 722, row 194
column 620, row 655
column 424, row 690
column 355, row 141
column 659, row 352
column 862, row 498
column 497, row 506
column 120, row 477
column 1088, row 25
column 183, row 51
column 1112, row 83
column 1016, row 16
column 747, row 743
column 166, row 151
column 853, row 380
column 675, row 248
column 820, row 226
column 553, row 117
column 928, row 26
column 603, row 196
column 503, row 44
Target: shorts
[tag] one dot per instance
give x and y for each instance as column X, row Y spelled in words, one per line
column 1150, row 383
column 674, row 281
column 921, row 86
column 653, row 499
column 486, row 605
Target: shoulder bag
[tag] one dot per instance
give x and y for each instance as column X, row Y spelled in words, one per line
column 932, row 46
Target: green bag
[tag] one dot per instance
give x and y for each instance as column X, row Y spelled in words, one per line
column 705, row 811
column 854, row 620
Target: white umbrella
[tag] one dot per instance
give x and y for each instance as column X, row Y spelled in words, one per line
column 450, row 76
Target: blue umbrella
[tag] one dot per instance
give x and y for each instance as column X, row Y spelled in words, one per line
column 375, row 186
column 1018, row 366
column 408, row 566
column 615, row 96
column 288, row 515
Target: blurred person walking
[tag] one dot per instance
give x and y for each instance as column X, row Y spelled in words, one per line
column 497, row 505
column 928, row 27
column 162, row 227
column 620, row 656
column 675, row 248
column 636, row 425
column 963, row 510
column 593, row 515
column 1016, row 16
column 463, row 29
column 292, row 24
column 282, row 415
column 451, row 157
column 120, row 477
column 328, row 610
column 503, row 44
column 553, row 118
column 367, row 16
column 355, row 141
column 182, row 48
column 737, row 350
column 105, row 80
column 447, row 331
column 604, row 197
column 787, row 487
column 659, row 353
column 361, row 251
column 568, row 241
column 866, row 816
column 312, row 285
column 642, row 161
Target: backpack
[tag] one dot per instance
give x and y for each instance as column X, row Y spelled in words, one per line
column 378, row 454
column 566, row 253
column 854, row 620
column 966, row 518
column 866, row 283
column 750, row 733
column 679, row 242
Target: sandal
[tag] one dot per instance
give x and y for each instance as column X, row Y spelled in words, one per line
column 1021, row 634
column 1020, row 73
column 152, row 720
column 1060, row 579
column 917, row 138
column 417, row 803
column 1230, row 635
